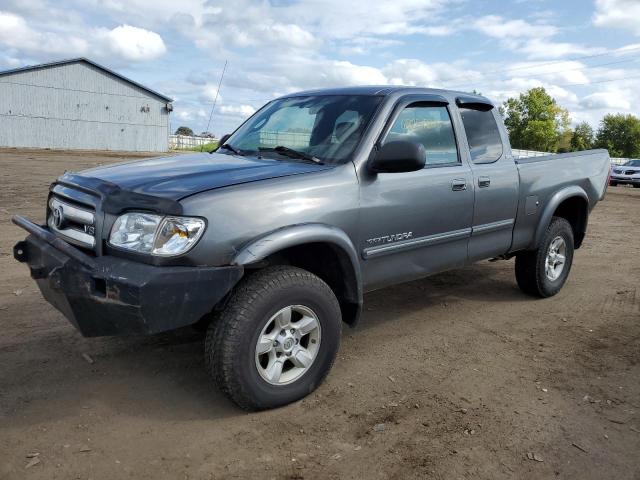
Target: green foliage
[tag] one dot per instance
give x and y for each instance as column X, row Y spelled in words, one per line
column 620, row 134
column 184, row 131
column 564, row 142
column 535, row 121
column 207, row 147
column 582, row 137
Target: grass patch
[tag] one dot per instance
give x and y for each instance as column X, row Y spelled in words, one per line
column 207, row 147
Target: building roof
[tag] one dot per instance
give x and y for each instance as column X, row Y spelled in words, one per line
column 92, row 63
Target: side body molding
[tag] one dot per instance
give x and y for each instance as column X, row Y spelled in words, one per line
column 296, row 235
column 554, row 202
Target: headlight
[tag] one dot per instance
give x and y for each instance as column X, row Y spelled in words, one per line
column 155, row 234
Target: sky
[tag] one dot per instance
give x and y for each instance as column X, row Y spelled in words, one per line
column 586, row 53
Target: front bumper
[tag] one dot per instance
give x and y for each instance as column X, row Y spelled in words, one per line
column 625, row 180
column 107, row 295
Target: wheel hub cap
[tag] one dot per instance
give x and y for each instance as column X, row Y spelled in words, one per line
column 556, row 258
column 288, row 345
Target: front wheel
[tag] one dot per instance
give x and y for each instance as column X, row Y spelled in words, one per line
column 613, row 184
column 543, row 272
column 276, row 340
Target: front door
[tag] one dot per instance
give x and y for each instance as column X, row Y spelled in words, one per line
column 417, row 223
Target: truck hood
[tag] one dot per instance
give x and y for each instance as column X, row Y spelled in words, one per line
column 180, row 176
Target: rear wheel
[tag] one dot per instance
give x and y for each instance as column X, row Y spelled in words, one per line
column 543, row 272
column 276, row 340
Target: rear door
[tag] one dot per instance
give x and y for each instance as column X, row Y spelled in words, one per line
column 495, row 179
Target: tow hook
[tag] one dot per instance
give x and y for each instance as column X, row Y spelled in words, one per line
column 20, row 251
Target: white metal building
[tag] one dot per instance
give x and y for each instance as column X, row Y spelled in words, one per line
column 78, row 104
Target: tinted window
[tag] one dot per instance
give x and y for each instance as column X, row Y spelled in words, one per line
column 482, row 134
column 430, row 126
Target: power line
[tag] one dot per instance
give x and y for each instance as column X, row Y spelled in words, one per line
column 573, row 59
column 599, row 81
column 537, row 65
column 584, row 67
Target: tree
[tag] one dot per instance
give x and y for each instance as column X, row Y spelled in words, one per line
column 535, row 121
column 582, row 137
column 184, row 131
column 620, row 134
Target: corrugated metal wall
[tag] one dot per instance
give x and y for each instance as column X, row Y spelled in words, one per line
column 79, row 106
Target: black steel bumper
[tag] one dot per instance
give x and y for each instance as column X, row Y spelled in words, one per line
column 113, row 296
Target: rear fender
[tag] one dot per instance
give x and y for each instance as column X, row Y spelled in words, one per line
column 554, row 202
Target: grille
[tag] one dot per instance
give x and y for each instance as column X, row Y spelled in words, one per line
column 631, row 172
column 73, row 223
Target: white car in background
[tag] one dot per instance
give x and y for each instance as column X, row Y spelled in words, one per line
column 626, row 174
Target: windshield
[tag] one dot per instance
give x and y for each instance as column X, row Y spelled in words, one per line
column 327, row 127
column 632, row 163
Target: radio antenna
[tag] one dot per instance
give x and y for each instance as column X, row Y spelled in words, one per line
column 215, row 100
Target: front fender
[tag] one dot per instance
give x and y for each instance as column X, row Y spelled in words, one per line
column 296, row 235
column 553, row 204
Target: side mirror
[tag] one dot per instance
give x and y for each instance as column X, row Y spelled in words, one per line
column 399, row 156
column 223, row 139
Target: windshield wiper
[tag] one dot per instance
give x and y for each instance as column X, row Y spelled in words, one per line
column 230, row 148
column 291, row 153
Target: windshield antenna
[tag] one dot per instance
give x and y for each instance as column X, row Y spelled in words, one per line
column 215, row 100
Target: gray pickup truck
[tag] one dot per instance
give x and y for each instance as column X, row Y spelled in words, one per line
column 271, row 242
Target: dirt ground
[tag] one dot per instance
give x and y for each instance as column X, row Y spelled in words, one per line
column 456, row 376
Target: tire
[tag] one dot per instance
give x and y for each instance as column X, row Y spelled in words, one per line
column 531, row 266
column 635, row 185
column 256, row 310
column 613, row 184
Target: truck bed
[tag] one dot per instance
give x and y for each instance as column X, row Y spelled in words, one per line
column 587, row 171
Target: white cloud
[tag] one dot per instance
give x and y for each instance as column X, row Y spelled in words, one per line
column 124, row 41
column 346, row 73
column 338, row 19
column 533, row 39
column 17, row 34
column 560, row 72
column 440, row 30
column 209, row 91
column 366, row 45
column 619, row 14
column 291, row 25
column 133, row 43
column 613, row 99
column 542, row 48
column 243, row 111
column 414, row 72
column 498, row 27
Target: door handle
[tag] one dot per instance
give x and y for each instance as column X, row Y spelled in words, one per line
column 458, row 184
column 484, row 182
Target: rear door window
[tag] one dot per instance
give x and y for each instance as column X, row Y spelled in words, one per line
column 483, row 135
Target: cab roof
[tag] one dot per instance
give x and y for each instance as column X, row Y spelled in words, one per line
column 380, row 90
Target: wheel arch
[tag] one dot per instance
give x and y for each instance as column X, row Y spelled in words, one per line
column 322, row 249
column 572, row 204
